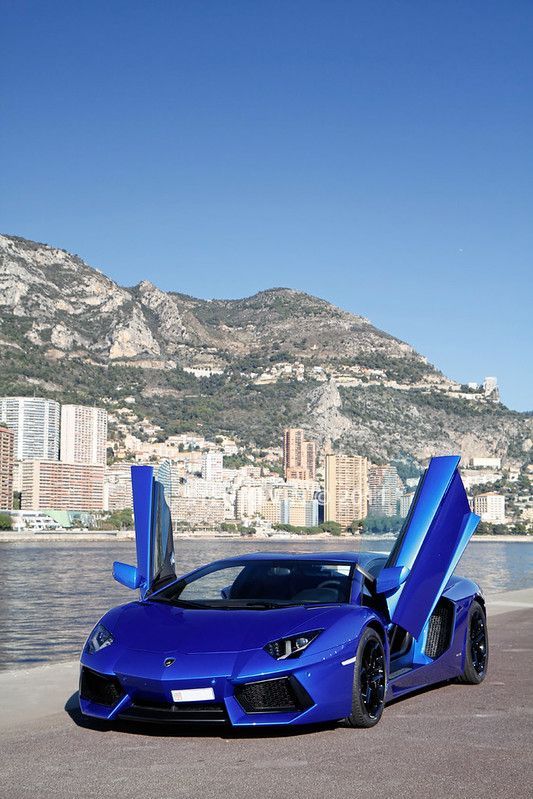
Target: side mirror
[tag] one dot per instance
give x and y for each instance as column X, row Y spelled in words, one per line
column 390, row 579
column 126, row 574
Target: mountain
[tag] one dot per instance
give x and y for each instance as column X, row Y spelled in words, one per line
column 164, row 362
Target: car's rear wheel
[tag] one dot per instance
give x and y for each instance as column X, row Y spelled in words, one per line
column 368, row 697
column 477, row 647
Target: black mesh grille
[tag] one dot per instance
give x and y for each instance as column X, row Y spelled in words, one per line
column 285, row 695
column 100, row 688
column 439, row 629
column 208, row 712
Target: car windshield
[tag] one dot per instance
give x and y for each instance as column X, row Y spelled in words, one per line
column 261, row 584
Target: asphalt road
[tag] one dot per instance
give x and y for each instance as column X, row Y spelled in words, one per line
column 452, row 741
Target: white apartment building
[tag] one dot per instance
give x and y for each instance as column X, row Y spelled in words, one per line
column 197, row 511
column 406, row 500
column 249, row 500
column 199, row 487
column 490, row 507
column 486, row 463
column 83, row 434
column 212, row 463
column 384, row 490
column 35, row 423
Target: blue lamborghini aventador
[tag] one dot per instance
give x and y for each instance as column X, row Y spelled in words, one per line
column 282, row 638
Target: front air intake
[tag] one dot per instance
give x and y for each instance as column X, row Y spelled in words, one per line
column 100, row 688
column 284, row 695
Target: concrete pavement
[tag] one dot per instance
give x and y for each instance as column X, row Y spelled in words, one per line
column 453, row 741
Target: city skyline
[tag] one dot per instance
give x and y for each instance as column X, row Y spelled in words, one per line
column 317, row 487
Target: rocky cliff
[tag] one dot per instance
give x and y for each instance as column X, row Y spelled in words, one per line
column 164, row 362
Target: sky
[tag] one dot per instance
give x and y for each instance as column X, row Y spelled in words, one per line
column 377, row 154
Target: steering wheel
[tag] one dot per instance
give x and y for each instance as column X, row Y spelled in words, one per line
column 329, row 584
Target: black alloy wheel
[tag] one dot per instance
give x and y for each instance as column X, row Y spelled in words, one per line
column 476, row 646
column 370, row 681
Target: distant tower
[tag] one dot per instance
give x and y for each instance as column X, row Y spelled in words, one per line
column 7, row 439
column 490, row 388
column 299, row 455
column 212, row 463
column 346, row 489
column 83, row 434
column 35, row 424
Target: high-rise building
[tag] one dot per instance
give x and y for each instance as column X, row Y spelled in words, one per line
column 54, row 485
column 384, row 490
column 299, row 455
column 117, row 487
column 83, row 434
column 249, row 501
column 346, row 489
column 35, row 423
column 212, row 463
column 406, row 500
column 7, row 440
column 299, row 512
column 490, row 507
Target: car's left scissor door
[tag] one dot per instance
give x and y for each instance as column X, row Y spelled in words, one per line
column 153, row 527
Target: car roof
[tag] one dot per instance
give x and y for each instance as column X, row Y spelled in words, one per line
column 362, row 558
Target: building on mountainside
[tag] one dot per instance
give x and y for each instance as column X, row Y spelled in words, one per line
column 490, row 389
column 196, row 511
column 249, row 500
column 212, row 463
column 384, row 490
column 117, row 487
column 83, row 434
column 346, row 489
column 299, row 455
column 490, row 507
column 485, row 463
column 7, row 446
column 35, row 424
column 54, row 485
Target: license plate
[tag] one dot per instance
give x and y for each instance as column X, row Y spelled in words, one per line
column 193, row 695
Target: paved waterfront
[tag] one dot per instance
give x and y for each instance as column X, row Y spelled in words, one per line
column 454, row 741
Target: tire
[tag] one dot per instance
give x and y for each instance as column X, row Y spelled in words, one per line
column 477, row 647
column 370, row 681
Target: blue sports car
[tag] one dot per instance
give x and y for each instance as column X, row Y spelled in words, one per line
column 284, row 638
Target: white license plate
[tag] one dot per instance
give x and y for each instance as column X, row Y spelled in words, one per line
column 193, row 695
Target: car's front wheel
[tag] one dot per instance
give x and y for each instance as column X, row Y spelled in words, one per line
column 368, row 699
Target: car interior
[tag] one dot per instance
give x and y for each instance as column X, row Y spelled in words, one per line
column 298, row 582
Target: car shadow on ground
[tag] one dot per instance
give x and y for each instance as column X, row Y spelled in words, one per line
column 162, row 730
column 204, row 730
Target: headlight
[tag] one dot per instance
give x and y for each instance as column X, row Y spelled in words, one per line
column 292, row 646
column 99, row 639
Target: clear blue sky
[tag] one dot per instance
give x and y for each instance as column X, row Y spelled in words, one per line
column 378, row 154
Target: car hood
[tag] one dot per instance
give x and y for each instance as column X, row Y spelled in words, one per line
column 157, row 627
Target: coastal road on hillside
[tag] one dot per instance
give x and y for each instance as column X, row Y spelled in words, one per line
column 454, row 741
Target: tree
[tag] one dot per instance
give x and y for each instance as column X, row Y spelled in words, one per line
column 121, row 519
column 334, row 528
column 5, row 521
column 356, row 526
